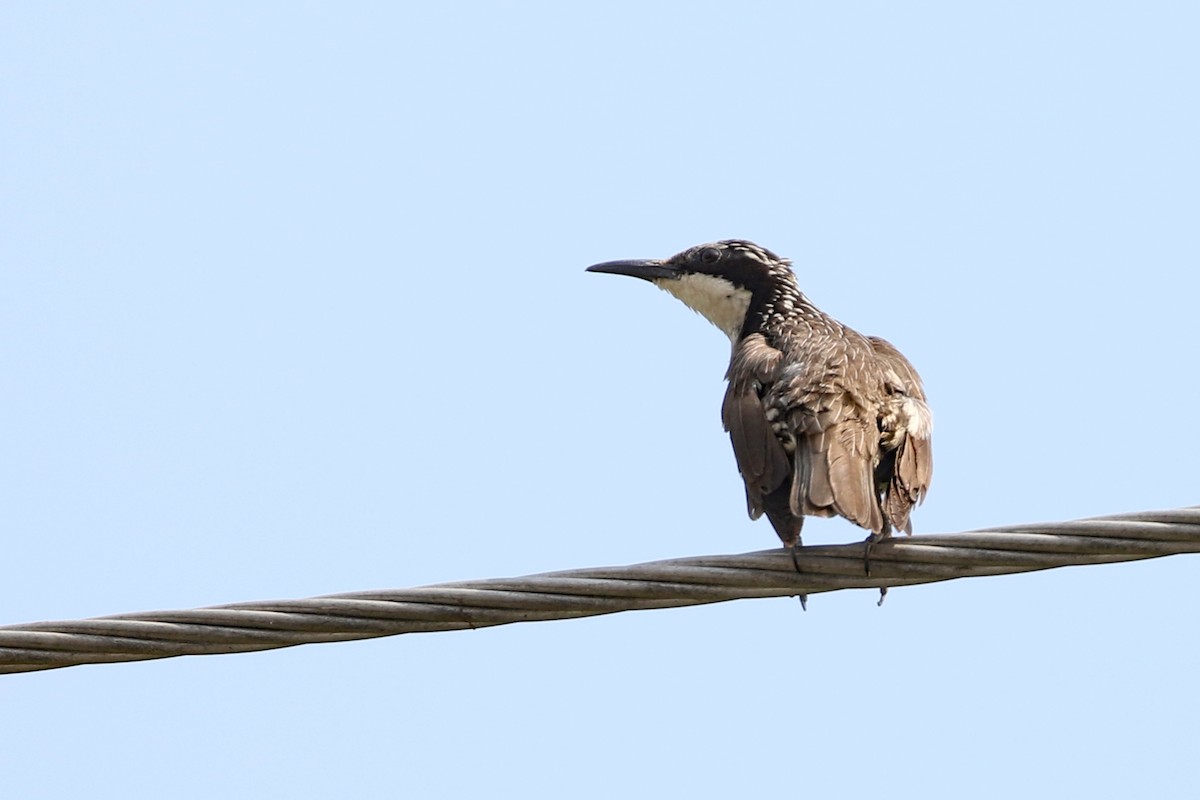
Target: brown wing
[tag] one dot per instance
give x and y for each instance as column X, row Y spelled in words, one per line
column 760, row 455
column 908, row 429
column 893, row 359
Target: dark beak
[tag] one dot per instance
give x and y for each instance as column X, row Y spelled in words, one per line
column 646, row 269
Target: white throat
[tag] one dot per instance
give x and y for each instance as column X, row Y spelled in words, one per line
column 715, row 299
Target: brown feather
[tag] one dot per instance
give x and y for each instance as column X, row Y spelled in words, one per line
column 906, row 427
column 910, row 381
column 816, row 495
column 852, row 453
column 761, row 457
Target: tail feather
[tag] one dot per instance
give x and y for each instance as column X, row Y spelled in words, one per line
column 838, row 476
column 851, row 475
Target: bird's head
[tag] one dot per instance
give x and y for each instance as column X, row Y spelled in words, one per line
column 723, row 281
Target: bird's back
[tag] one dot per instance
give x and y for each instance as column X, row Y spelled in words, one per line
column 849, row 428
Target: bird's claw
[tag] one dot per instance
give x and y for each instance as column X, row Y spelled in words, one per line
column 867, row 545
column 794, row 550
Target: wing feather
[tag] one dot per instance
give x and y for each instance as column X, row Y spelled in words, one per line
column 908, row 428
column 852, row 455
column 761, row 458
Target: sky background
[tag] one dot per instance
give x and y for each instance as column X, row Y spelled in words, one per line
column 293, row 302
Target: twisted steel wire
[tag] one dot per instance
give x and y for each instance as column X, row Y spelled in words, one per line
column 265, row 625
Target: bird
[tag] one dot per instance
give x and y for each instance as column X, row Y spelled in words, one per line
column 824, row 421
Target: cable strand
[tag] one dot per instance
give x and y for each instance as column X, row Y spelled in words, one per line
column 698, row 580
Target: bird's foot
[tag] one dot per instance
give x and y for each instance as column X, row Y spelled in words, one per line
column 794, row 550
column 868, row 544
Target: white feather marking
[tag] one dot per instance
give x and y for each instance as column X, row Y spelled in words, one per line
column 715, row 299
column 919, row 419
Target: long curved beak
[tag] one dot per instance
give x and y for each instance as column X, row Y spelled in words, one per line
column 646, row 269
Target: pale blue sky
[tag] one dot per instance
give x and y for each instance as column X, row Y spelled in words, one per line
column 292, row 302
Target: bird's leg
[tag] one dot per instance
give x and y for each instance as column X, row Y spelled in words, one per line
column 871, row 540
column 794, row 549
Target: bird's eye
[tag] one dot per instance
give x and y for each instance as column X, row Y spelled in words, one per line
column 710, row 255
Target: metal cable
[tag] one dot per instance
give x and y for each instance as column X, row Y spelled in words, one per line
column 244, row 627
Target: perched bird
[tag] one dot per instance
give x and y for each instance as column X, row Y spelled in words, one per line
column 824, row 421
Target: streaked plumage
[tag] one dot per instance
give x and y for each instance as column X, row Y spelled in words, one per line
column 824, row 421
